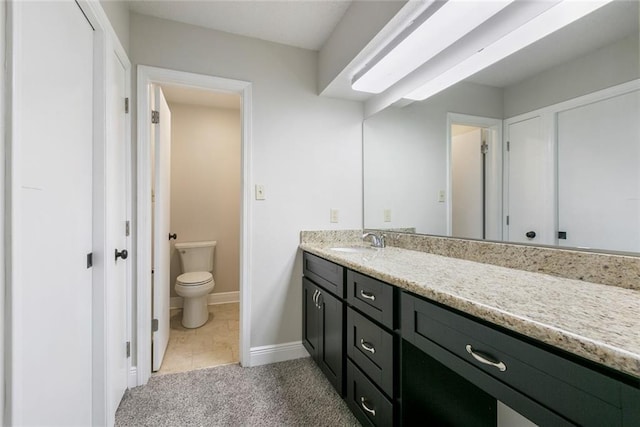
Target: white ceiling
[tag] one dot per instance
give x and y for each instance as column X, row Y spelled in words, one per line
column 200, row 97
column 300, row 23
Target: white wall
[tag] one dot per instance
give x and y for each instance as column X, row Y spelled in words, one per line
column 616, row 63
column 118, row 13
column 3, row 102
column 205, row 187
column 306, row 152
column 405, row 157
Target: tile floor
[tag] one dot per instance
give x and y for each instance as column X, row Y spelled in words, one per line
column 213, row 344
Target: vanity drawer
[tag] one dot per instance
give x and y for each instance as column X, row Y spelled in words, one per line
column 369, row 405
column 581, row 395
column 371, row 348
column 324, row 273
column 371, row 296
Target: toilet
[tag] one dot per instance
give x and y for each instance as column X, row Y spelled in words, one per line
column 196, row 281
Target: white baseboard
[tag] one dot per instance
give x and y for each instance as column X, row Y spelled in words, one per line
column 132, row 380
column 212, row 299
column 277, row 353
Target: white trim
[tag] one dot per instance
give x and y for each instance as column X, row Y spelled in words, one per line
column 266, row 354
column 132, row 380
column 4, row 121
column 212, row 299
column 152, row 75
column 495, row 125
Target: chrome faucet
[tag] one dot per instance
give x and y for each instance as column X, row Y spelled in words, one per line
column 377, row 240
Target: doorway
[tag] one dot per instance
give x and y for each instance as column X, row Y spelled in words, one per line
column 147, row 78
column 474, row 150
column 204, row 206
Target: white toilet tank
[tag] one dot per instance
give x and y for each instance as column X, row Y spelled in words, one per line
column 196, row 256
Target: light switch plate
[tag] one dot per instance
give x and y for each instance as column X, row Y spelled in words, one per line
column 441, row 196
column 334, row 215
column 260, row 192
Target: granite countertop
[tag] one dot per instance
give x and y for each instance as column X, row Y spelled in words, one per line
column 597, row 322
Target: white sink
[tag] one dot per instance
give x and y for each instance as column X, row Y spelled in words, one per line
column 355, row 249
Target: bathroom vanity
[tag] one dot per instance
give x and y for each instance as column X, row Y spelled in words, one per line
column 409, row 337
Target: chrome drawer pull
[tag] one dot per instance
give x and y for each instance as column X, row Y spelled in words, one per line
column 371, row 349
column 482, row 358
column 363, row 294
column 366, row 408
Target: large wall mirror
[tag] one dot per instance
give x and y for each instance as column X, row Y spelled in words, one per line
column 542, row 147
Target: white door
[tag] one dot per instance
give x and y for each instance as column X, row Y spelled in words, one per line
column 529, row 183
column 116, row 235
column 467, row 179
column 50, row 363
column 161, row 133
column 599, row 174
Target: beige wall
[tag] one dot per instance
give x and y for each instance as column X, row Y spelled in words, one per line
column 205, row 186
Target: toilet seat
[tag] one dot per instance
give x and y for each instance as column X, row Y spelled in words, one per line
column 194, row 278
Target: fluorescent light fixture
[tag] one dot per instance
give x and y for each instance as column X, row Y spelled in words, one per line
column 553, row 19
column 451, row 21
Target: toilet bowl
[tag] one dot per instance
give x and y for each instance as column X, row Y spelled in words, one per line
column 196, row 281
column 194, row 288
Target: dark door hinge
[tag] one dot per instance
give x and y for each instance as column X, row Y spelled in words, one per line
column 154, row 325
column 90, row 260
column 127, row 228
column 155, row 117
column 128, row 348
column 507, row 219
column 126, row 105
column 508, row 146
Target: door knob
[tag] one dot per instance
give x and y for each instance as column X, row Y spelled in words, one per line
column 173, row 236
column 530, row 234
column 122, row 254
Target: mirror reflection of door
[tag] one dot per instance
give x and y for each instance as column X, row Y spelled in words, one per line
column 599, row 174
column 529, row 192
column 467, row 181
column 476, row 178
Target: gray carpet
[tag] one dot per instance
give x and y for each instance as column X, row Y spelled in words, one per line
column 293, row 393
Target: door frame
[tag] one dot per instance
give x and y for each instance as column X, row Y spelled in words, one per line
column 107, row 43
column 494, row 125
column 146, row 76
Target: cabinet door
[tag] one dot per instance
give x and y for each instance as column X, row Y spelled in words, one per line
column 310, row 316
column 331, row 356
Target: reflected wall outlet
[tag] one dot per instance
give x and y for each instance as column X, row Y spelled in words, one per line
column 334, row 215
column 387, row 215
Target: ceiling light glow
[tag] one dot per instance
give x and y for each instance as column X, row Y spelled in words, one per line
column 453, row 20
column 555, row 18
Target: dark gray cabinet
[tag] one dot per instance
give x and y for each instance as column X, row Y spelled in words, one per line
column 545, row 386
column 372, row 350
column 401, row 359
column 323, row 328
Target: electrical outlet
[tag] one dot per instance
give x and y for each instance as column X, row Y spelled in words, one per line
column 334, row 215
column 260, row 192
column 441, row 196
column 387, row 215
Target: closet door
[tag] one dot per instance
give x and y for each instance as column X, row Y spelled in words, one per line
column 599, row 174
column 529, row 185
column 51, row 214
